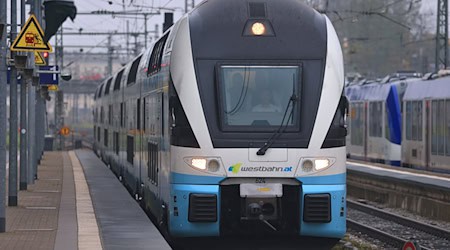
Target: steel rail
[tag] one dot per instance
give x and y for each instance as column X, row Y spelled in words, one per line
column 386, row 238
column 427, row 228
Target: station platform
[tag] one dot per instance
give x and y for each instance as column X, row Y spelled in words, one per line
column 420, row 192
column 77, row 203
column 424, row 178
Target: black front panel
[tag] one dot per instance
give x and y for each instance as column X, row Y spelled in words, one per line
column 181, row 133
column 338, row 130
column 317, row 208
column 202, row 208
column 300, row 38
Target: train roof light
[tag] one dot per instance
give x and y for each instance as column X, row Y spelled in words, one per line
column 258, row 29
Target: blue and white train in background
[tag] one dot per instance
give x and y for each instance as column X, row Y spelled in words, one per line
column 401, row 122
column 232, row 123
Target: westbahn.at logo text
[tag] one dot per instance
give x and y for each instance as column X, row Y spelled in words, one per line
column 238, row 168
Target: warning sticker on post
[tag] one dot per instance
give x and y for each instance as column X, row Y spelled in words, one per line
column 31, row 38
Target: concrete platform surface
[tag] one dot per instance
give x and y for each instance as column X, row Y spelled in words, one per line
column 77, row 203
column 123, row 224
column 403, row 174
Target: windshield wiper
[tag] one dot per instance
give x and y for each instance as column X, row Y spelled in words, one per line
column 282, row 127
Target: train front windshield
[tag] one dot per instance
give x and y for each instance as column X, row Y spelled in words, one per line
column 259, row 97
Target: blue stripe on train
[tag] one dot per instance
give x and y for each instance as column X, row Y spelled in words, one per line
column 177, row 178
column 179, row 225
column 394, row 116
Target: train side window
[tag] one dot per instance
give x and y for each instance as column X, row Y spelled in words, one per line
column 356, row 119
column 116, row 142
column 448, row 127
column 371, row 125
column 108, row 86
column 408, row 121
column 387, row 130
column 101, row 115
column 154, row 65
column 419, row 120
column 110, row 116
column 434, row 120
column 130, row 149
column 138, row 113
column 133, row 71
column 375, row 128
column 352, row 124
column 118, row 80
column 441, row 127
column 98, row 134
column 379, row 119
column 105, row 139
column 144, row 114
column 122, row 114
column 101, row 90
column 414, row 121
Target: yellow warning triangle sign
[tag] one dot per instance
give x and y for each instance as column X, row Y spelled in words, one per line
column 39, row 59
column 31, row 38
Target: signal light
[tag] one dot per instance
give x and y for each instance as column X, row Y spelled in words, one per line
column 46, row 56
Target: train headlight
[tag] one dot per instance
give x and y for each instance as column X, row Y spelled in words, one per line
column 258, row 29
column 198, row 163
column 212, row 165
column 311, row 165
column 320, row 164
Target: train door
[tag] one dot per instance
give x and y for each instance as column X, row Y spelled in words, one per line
column 152, row 164
column 427, row 133
column 139, row 135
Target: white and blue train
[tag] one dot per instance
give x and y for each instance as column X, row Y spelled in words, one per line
column 374, row 122
column 426, row 124
column 405, row 122
column 232, row 123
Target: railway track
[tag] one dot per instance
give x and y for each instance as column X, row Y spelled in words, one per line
column 395, row 230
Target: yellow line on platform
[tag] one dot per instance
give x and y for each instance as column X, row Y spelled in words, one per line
column 88, row 231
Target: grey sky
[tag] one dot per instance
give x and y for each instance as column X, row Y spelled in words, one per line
column 106, row 23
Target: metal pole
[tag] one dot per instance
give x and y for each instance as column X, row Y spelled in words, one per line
column 3, row 72
column 12, row 184
column 38, row 107
column 32, row 116
column 31, row 137
column 23, row 134
column 442, row 35
column 185, row 6
column 128, row 40
column 110, row 56
column 136, row 52
column 38, row 126
column 23, row 118
column 156, row 32
column 145, row 30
